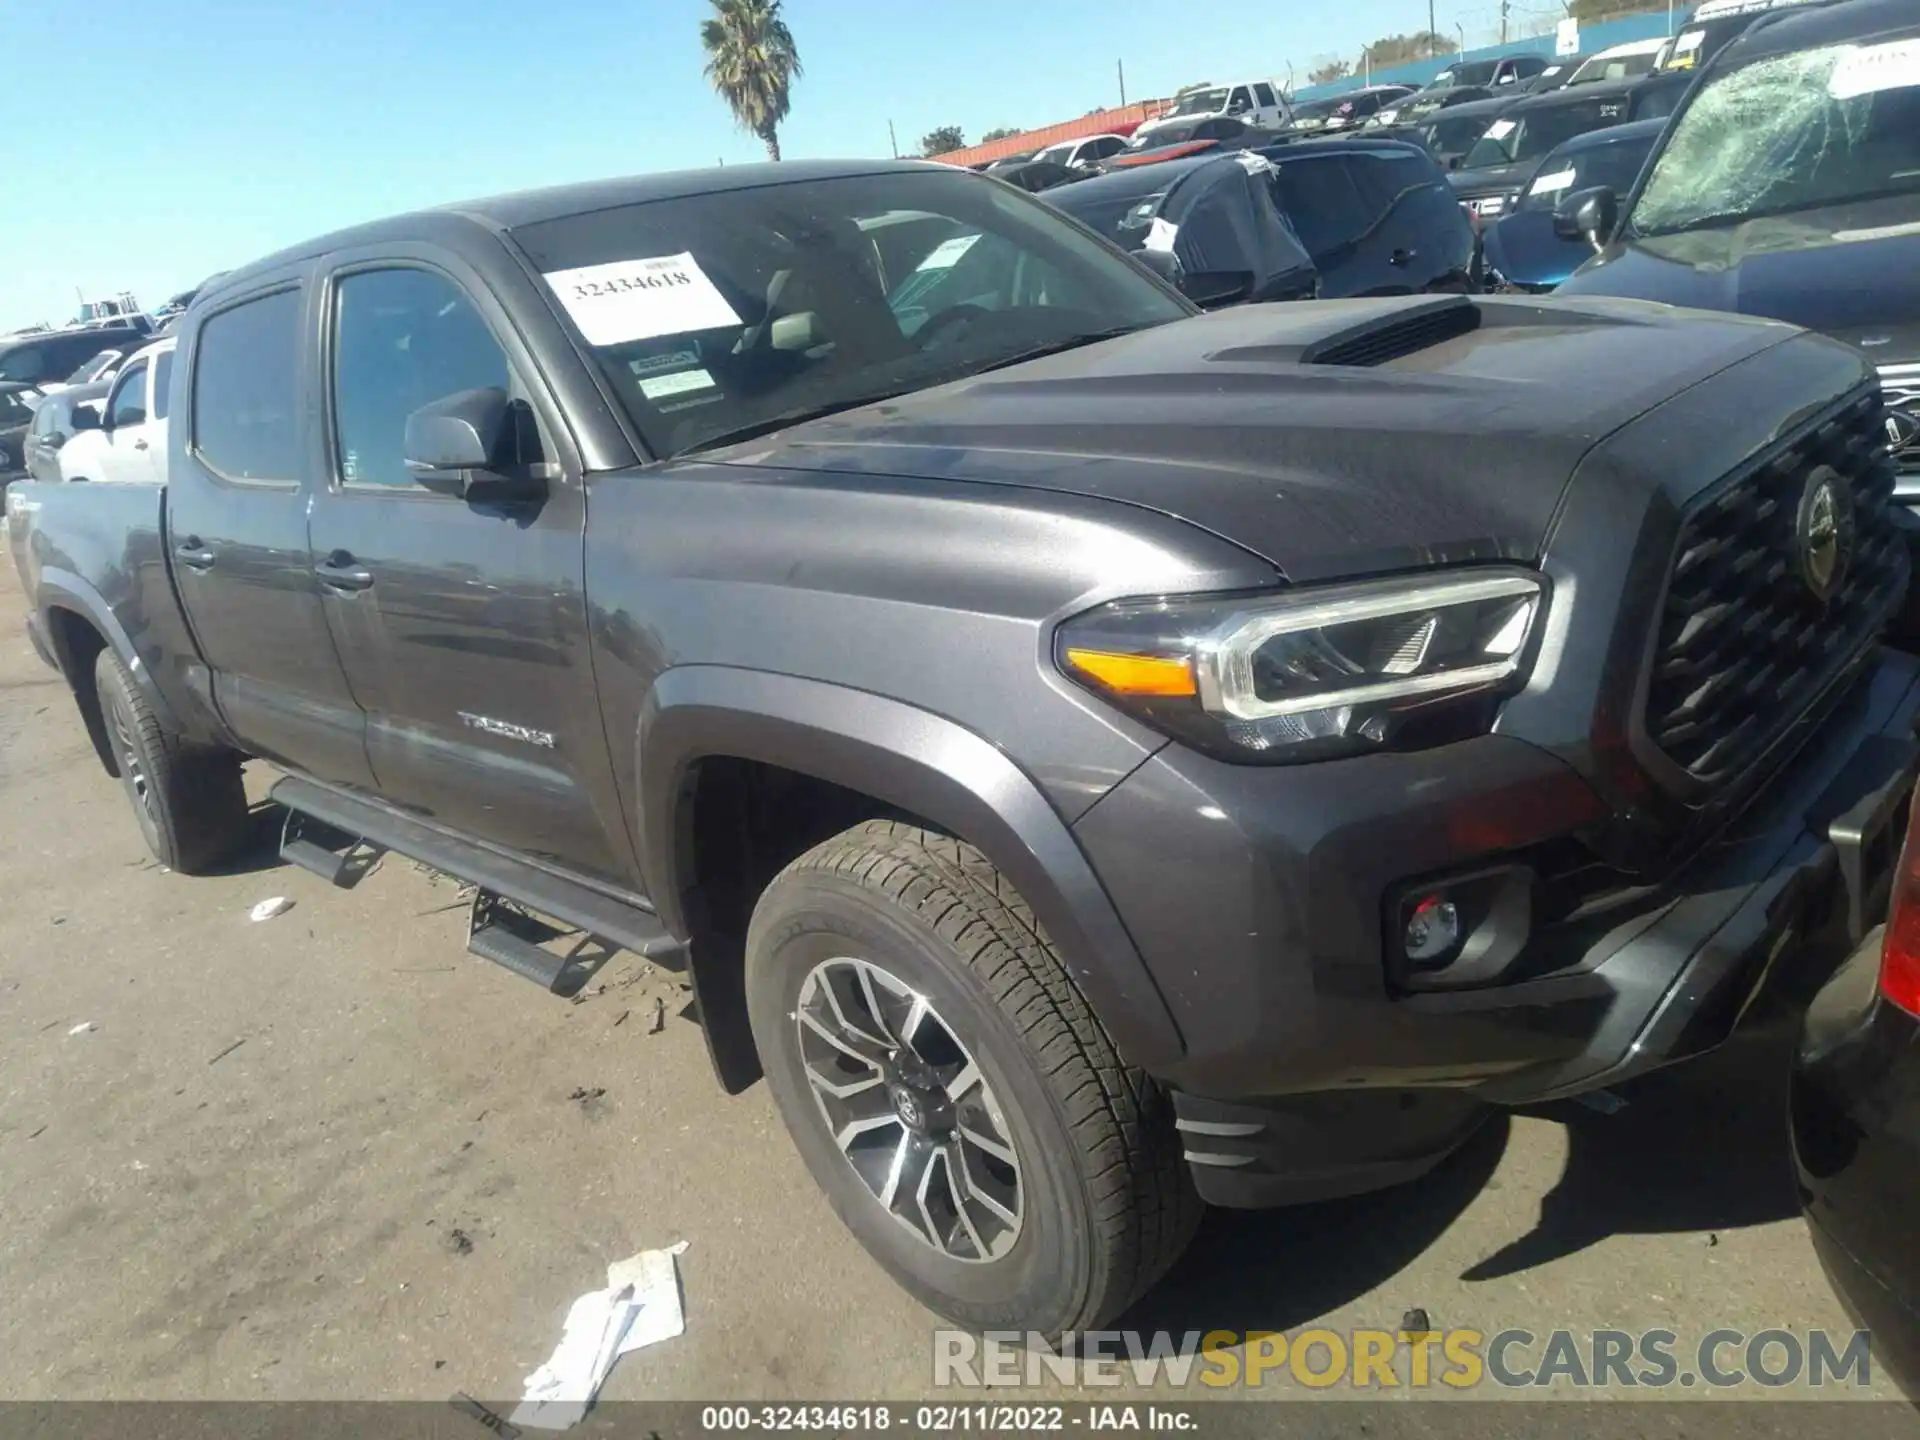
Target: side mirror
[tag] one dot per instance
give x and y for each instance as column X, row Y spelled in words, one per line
column 1589, row 214
column 1212, row 289
column 1162, row 263
column 459, row 445
column 1454, row 161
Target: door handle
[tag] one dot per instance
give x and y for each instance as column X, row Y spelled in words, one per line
column 1403, row 257
column 193, row 554
column 139, row 444
column 340, row 572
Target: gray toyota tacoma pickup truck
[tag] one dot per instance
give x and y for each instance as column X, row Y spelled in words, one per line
column 1092, row 757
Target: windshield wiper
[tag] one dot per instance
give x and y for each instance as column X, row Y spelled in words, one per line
column 1054, row 347
column 799, row 415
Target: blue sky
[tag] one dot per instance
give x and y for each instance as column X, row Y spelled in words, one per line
column 153, row 143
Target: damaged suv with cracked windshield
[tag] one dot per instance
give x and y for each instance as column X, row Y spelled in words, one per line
column 1789, row 186
column 1092, row 757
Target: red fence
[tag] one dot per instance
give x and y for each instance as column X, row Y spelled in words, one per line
column 1123, row 121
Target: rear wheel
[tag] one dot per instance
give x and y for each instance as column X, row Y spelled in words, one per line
column 188, row 799
column 951, row 1091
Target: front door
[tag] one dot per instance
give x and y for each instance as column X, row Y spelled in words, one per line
column 462, row 625
column 129, row 431
column 237, row 528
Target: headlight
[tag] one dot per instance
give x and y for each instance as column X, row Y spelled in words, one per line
column 1316, row 672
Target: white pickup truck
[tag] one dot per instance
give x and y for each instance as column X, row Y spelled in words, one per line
column 1252, row 102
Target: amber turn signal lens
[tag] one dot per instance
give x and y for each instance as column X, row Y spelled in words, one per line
column 1134, row 674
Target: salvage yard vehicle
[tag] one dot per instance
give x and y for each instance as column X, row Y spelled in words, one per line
column 125, row 440
column 1492, row 176
column 1533, row 248
column 1855, row 1108
column 1812, row 217
column 54, row 425
column 1092, row 757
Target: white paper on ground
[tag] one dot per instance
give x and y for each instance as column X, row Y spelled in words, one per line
column 640, row 1306
column 267, row 909
column 639, row 299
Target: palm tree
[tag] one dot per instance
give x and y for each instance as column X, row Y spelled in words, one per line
column 752, row 62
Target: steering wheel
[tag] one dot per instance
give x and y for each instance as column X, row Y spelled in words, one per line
column 965, row 312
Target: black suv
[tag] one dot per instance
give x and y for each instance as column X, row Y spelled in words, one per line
column 47, row 356
column 1816, row 221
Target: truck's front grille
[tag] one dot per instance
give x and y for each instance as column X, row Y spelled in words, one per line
column 1901, row 386
column 1745, row 643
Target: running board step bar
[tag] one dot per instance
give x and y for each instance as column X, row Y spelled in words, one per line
column 512, row 937
column 335, row 856
column 626, row 924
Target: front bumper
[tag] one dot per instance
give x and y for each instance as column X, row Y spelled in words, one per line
column 1269, row 944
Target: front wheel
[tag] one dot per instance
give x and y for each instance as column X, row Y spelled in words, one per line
column 951, row 1091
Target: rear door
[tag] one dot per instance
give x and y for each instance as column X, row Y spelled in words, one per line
column 1419, row 229
column 237, row 528
column 463, row 624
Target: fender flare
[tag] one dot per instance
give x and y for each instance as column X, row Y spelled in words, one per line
column 59, row 589
column 919, row 762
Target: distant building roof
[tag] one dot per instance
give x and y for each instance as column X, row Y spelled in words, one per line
column 1122, row 121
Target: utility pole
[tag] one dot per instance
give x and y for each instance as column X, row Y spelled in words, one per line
column 893, row 140
column 1120, row 68
column 1431, row 32
column 1505, row 8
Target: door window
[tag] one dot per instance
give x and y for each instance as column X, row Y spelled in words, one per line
column 1239, row 103
column 404, row 338
column 26, row 363
column 246, row 392
column 129, row 404
column 162, row 380
column 1264, row 94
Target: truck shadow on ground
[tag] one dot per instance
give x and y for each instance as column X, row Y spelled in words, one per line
column 1699, row 1148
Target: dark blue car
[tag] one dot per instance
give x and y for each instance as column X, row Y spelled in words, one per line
column 1522, row 252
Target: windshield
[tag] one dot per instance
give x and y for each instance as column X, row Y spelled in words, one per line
column 1615, row 67
column 1447, row 136
column 1534, row 135
column 1122, row 214
column 1790, row 132
column 1201, row 102
column 1159, row 139
column 1615, row 165
column 1477, row 72
column 719, row 315
column 92, row 369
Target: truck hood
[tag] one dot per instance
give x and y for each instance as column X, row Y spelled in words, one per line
column 1332, row 438
column 1849, row 271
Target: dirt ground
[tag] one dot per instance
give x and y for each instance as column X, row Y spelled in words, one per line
column 331, row 1155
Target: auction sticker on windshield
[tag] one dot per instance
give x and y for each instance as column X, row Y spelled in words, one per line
column 1868, row 69
column 947, row 253
column 1500, row 129
column 1558, row 180
column 639, row 299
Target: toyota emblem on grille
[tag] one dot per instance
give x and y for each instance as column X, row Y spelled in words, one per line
column 1824, row 532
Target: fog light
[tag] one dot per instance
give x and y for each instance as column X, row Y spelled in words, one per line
column 1433, row 929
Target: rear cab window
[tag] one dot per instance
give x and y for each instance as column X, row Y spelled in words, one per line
column 246, row 391
column 1324, row 203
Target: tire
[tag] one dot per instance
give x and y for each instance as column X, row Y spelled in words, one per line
column 188, row 799
column 886, row 913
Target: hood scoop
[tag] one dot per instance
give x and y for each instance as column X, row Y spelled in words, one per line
column 1410, row 331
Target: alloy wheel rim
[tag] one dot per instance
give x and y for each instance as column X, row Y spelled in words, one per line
column 130, row 766
column 909, row 1109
